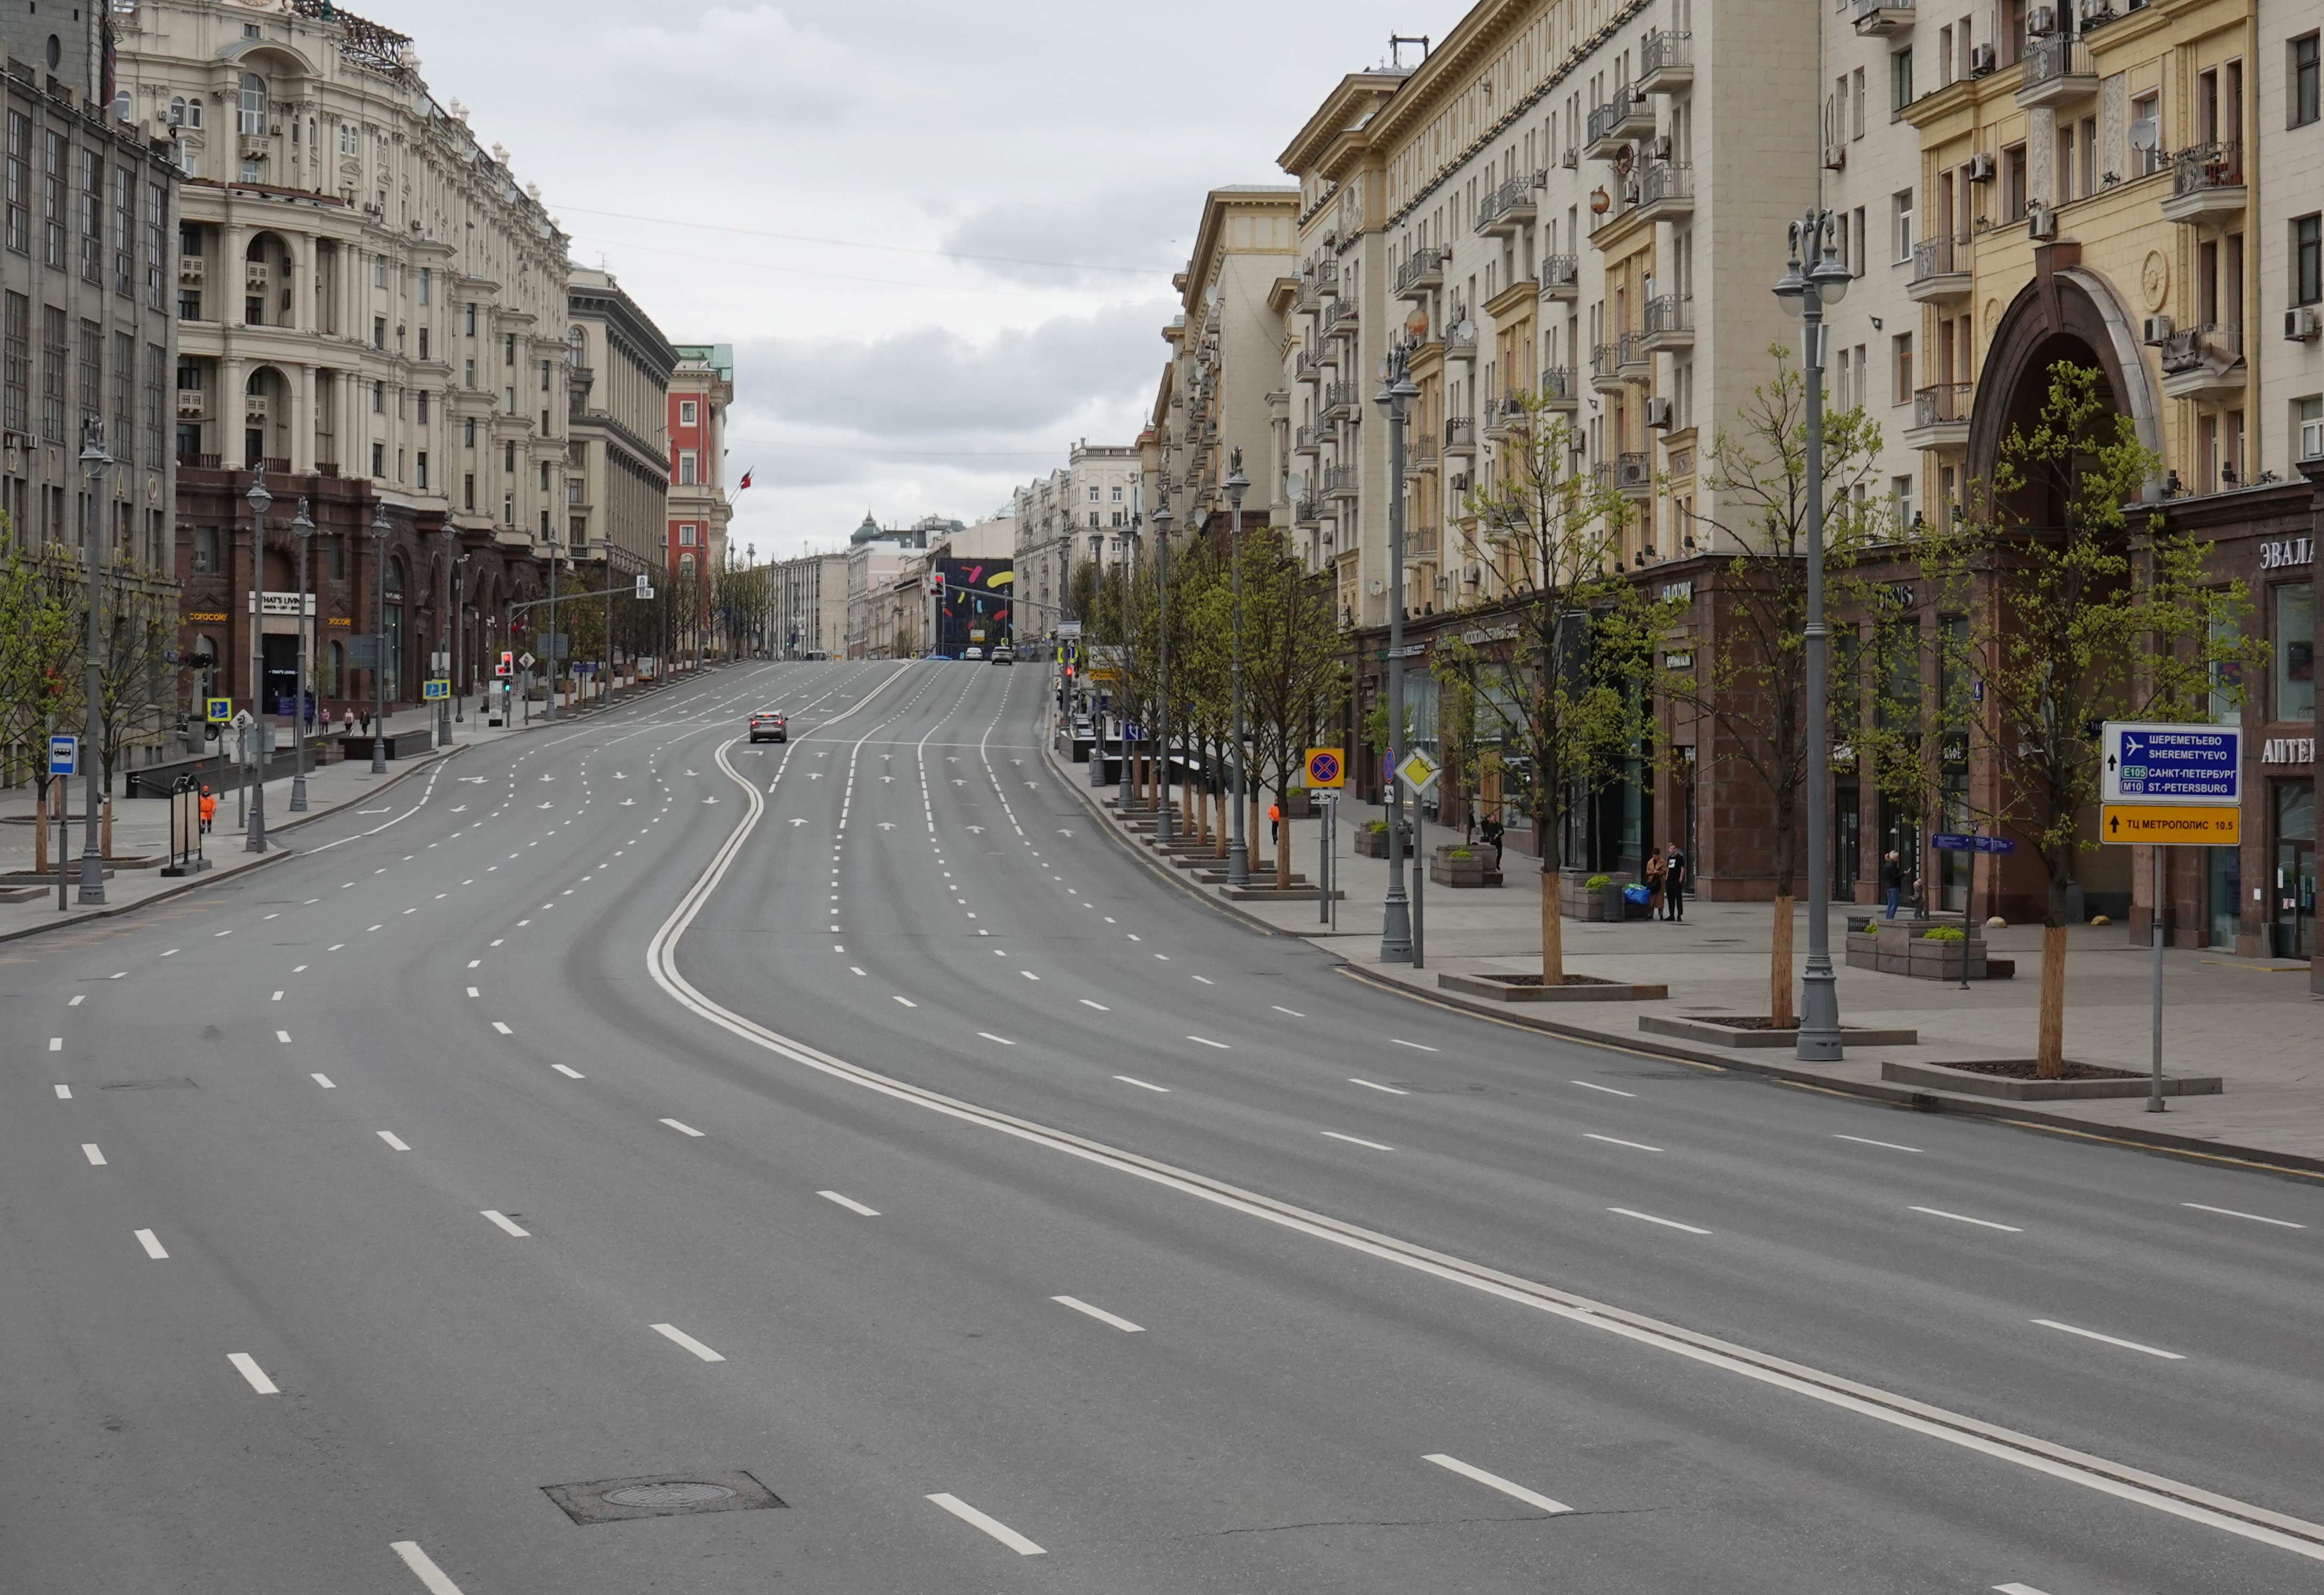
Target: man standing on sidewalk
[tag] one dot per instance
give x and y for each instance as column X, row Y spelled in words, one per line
column 1892, row 882
column 1674, row 882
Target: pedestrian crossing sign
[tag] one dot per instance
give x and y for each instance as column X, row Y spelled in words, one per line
column 221, row 710
column 432, row 690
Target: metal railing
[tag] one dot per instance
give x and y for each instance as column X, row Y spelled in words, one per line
column 1635, row 351
column 1557, row 384
column 2206, row 167
column 1425, row 262
column 1602, row 359
column 1338, row 479
column 1660, row 50
column 1604, row 119
column 1343, row 313
column 2214, row 344
column 1670, row 312
column 1338, row 395
column 1942, row 404
column 1665, row 180
column 2055, row 58
column 1560, row 271
column 1865, row 8
column 1460, row 431
column 1633, row 472
column 1939, row 257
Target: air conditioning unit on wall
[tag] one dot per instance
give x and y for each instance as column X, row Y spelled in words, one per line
column 1981, row 60
column 2157, row 331
column 1980, row 168
column 2303, row 324
column 1658, row 412
column 2040, row 221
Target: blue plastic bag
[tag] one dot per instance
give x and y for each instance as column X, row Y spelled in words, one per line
column 1633, row 894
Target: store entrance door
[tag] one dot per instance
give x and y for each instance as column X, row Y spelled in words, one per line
column 2293, row 886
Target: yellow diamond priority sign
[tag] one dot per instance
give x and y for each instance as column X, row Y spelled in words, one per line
column 1418, row 770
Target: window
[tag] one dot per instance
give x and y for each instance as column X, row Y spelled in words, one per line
column 1901, row 208
column 1900, row 81
column 379, row 271
column 253, row 105
column 205, row 549
column 468, row 432
column 685, row 468
column 92, row 216
column 1093, row 516
column 577, row 347
column 2012, row 190
column 1116, row 494
column 420, row 402
column 20, row 181
column 686, row 537
column 378, row 400
column 468, row 372
column 16, row 369
column 350, row 140
column 419, row 463
column 378, row 332
column 2307, row 260
column 423, row 342
column 508, row 509
column 2303, row 83
column 157, row 234
column 378, row 461
column 686, row 413
column 1900, row 359
column 189, row 304
column 157, row 366
column 2294, row 636
column 1856, row 116
column 468, row 491
column 544, row 376
column 544, row 475
column 508, row 348
column 2147, row 154
column 468, row 318
column 426, row 283
column 508, row 401
column 52, row 200
column 1900, row 493
column 2307, row 414
column 507, row 458
column 194, row 112
column 92, row 372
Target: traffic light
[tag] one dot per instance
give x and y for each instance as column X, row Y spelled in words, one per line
column 508, row 663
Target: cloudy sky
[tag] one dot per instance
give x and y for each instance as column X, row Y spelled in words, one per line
column 939, row 234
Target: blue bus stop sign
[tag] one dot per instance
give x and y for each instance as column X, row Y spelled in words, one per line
column 64, row 755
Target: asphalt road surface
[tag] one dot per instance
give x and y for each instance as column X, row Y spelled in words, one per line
column 845, row 1137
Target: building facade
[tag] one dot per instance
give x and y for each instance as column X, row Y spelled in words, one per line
column 366, row 302
column 1061, row 521
column 808, row 607
column 701, row 388
column 618, row 367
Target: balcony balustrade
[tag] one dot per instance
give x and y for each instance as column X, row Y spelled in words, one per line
column 1940, row 270
column 1940, row 415
column 1561, row 278
column 1669, row 323
column 2207, row 183
column 1460, row 434
column 2056, row 70
column 1421, row 273
column 2204, row 361
column 1882, row 16
column 1666, row 191
column 1666, row 63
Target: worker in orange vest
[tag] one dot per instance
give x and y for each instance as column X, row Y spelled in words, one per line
column 210, row 810
column 1275, row 822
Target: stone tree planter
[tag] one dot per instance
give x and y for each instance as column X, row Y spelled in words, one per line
column 1902, row 946
column 1447, row 868
column 1368, row 844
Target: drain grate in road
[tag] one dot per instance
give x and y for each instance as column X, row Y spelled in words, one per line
column 661, row 1495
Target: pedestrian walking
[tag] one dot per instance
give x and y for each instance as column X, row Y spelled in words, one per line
column 1675, row 881
column 1489, row 833
column 210, row 810
column 1275, row 822
column 365, row 722
column 347, row 725
column 1892, row 882
column 1657, row 876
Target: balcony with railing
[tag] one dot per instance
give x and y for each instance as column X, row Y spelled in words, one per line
column 1422, row 272
column 1308, row 511
column 1624, row 120
column 2203, row 361
column 1338, row 482
column 1460, row 334
column 1666, row 191
column 2207, row 183
column 1340, row 400
column 1561, row 278
column 1559, row 390
column 1460, row 434
column 1504, row 416
column 1605, row 373
column 1669, row 323
column 1340, row 317
column 1327, row 278
column 1307, row 440
column 1940, row 416
column 1882, row 16
column 1509, row 208
column 1634, row 360
column 1422, row 458
column 1666, row 63
column 2056, row 70
column 1305, row 368
column 1634, row 475
column 1940, row 270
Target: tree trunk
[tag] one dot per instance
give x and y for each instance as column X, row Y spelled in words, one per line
column 1780, row 1009
column 41, row 830
column 1252, row 824
column 1219, row 801
column 1283, row 850
column 1553, row 918
column 2050, row 1049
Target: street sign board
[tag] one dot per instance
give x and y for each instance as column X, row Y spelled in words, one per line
column 1954, row 842
column 64, row 755
column 432, row 690
column 244, row 720
column 1326, row 767
column 1069, row 628
column 2171, row 825
column 221, row 710
column 1418, row 770
column 363, row 652
column 2147, row 764
column 1132, row 729
column 645, row 586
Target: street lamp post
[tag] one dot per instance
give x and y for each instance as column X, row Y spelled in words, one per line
column 1805, row 293
column 460, row 638
column 98, row 464
column 444, row 637
column 1395, row 399
column 304, row 526
column 1126, row 543
column 548, row 642
column 253, row 751
column 1162, row 829
column 1237, row 844
column 379, row 639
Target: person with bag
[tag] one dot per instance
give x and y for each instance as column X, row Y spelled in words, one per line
column 1657, row 876
column 1675, row 879
column 1892, row 882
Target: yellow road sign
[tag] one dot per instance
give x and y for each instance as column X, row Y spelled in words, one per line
column 2170, row 824
column 1326, row 767
column 1418, row 770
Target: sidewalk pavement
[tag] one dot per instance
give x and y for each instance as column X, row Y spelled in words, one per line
column 141, row 826
column 2251, row 1022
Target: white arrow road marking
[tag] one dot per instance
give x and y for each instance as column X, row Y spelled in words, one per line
column 887, row 825
column 797, row 822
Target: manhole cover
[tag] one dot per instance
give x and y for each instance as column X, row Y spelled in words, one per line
column 661, row 1495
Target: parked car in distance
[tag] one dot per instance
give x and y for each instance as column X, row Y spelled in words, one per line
column 770, row 727
column 1004, row 655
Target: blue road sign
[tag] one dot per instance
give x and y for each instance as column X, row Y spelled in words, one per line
column 64, row 755
column 1133, row 730
column 1954, row 842
column 2164, row 764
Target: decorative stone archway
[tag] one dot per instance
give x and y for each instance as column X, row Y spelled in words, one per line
column 2067, row 312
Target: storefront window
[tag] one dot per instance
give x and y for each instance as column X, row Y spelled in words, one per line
column 2294, row 909
column 2294, row 636
column 2224, row 894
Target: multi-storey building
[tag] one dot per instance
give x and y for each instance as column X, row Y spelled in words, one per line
column 1221, row 389
column 85, row 262
column 358, row 288
column 618, row 367
column 700, row 389
column 1061, row 521
column 808, row 599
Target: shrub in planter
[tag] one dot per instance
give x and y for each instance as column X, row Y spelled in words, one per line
column 1944, row 932
column 1598, row 882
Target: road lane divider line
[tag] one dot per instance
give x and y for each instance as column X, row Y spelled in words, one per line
column 1375, row 1085
column 1629, row 1212
column 1609, row 1090
column 1962, row 1218
column 502, row 1221
column 247, row 1366
column 431, row 1576
column 64, row 1092
column 849, row 1203
column 687, row 1130
column 1867, row 1141
column 394, row 1141
column 1618, row 1141
column 2031, row 1452
column 324, row 1081
column 1100, row 1313
column 152, row 1245
column 569, row 1073
column 1207, row 1041
column 1356, row 1141
column 2253, row 1217
column 502, row 1029
column 2092, row 1334
column 1517, row 1492
column 89, row 1149
column 673, row 1332
column 991, row 1525
column 1142, row 1084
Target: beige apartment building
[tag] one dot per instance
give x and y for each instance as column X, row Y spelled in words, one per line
column 1061, row 521
column 618, row 370
column 369, row 305
column 808, row 614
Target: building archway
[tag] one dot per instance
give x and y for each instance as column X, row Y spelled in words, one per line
column 2067, row 312
column 266, row 420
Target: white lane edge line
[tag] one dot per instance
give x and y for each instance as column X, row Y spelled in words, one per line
column 849, row 1203
column 247, row 1366
column 2092, row 1334
column 1100, row 1313
column 682, row 1129
column 1142, row 1084
column 1962, row 1218
column 673, row 1332
column 431, row 1576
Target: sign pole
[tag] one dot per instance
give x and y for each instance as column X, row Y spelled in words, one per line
column 2154, row 1103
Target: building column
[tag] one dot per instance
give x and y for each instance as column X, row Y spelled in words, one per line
column 231, row 421
column 302, row 420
